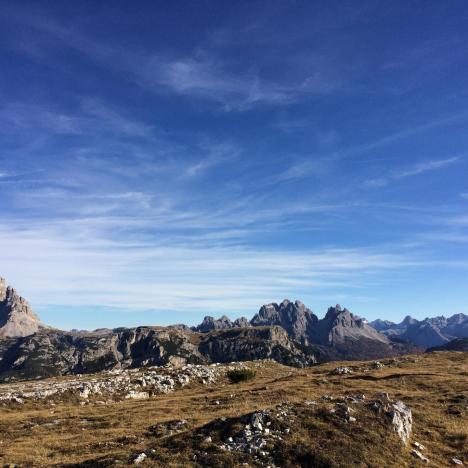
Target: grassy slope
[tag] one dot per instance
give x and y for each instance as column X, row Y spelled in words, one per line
column 434, row 385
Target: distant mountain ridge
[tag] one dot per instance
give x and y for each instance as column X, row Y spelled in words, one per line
column 426, row 333
column 339, row 335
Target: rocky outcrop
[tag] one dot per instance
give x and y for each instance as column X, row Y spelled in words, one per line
column 121, row 384
column 16, row 316
column 402, row 420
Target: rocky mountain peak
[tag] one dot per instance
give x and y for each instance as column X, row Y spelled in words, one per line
column 210, row 323
column 294, row 317
column 408, row 320
column 457, row 319
column 16, row 316
column 242, row 322
column 381, row 325
column 340, row 325
column 334, row 312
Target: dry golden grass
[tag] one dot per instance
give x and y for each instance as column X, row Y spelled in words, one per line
column 434, row 385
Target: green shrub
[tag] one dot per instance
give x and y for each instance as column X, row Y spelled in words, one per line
column 240, row 375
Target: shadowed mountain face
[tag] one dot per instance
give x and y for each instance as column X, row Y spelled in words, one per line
column 340, row 325
column 458, row 344
column 428, row 332
column 294, row 317
column 16, row 316
column 51, row 353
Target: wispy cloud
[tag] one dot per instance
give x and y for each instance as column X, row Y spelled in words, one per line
column 417, row 169
column 137, row 274
column 305, row 167
column 92, row 116
column 425, row 166
column 205, row 77
column 214, row 154
column 203, row 74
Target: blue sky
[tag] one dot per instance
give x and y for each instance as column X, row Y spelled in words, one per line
column 160, row 161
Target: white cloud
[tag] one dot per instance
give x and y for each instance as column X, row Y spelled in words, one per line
column 425, row 166
column 204, row 73
column 93, row 116
column 63, row 263
column 376, row 183
column 416, row 170
column 207, row 77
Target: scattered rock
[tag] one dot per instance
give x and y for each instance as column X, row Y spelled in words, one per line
column 355, row 399
column 134, row 395
column 417, row 454
column 259, row 431
column 419, row 446
column 344, row 411
column 310, row 402
column 384, row 396
column 140, row 458
column 456, row 461
column 341, row 371
column 168, row 428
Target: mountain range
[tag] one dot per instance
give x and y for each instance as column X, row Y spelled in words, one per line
column 340, row 327
column 426, row 333
column 287, row 332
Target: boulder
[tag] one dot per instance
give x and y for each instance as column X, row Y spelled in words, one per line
column 402, row 420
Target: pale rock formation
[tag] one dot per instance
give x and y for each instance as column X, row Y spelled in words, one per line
column 17, row 319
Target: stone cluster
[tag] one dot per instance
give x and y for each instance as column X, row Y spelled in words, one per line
column 259, row 432
column 117, row 384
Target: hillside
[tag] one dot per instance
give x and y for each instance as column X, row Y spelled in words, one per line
column 326, row 416
column 53, row 353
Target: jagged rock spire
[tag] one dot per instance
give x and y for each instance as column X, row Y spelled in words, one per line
column 3, row 289
column 16, row 316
